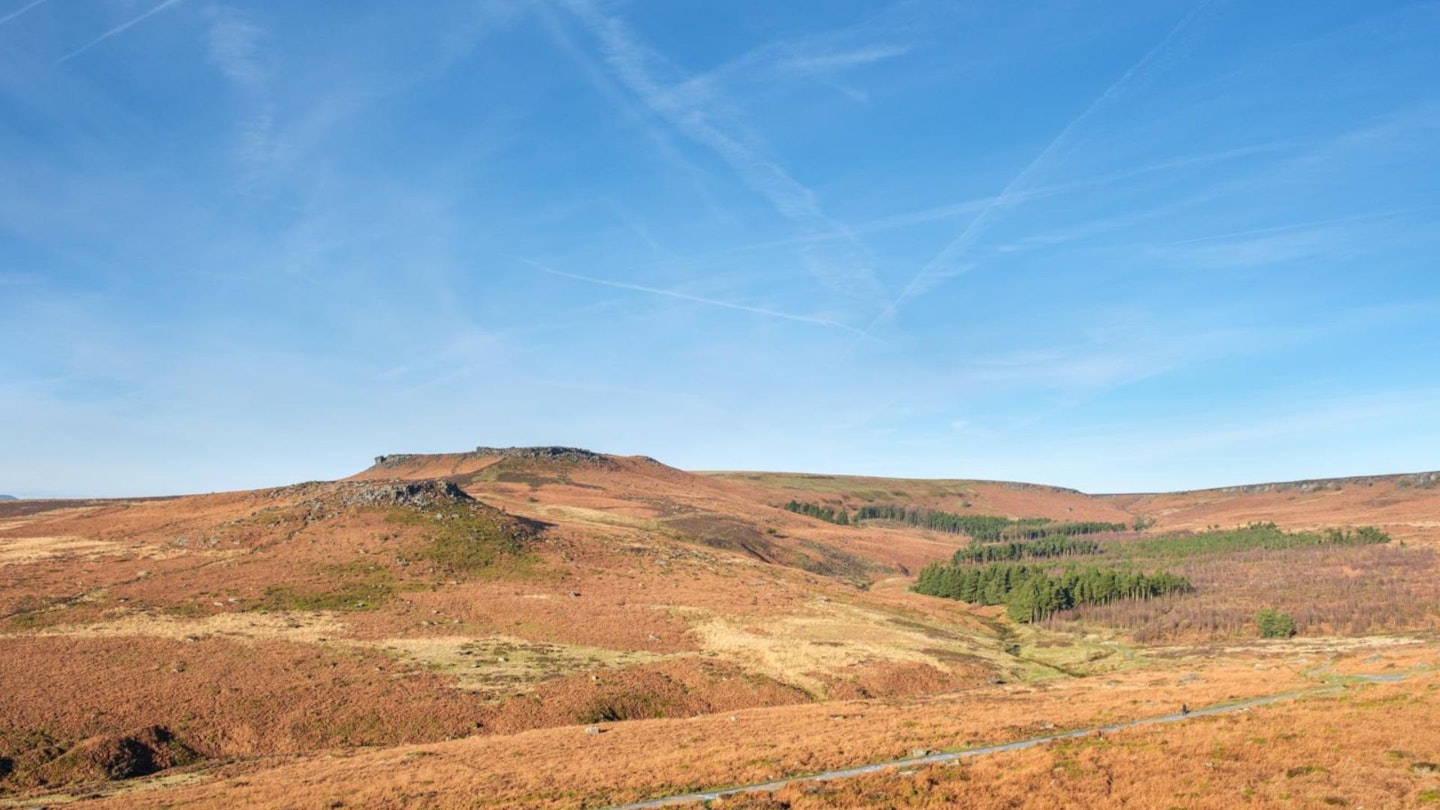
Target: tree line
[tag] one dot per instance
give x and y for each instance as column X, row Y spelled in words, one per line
column 984, row 528
column 821, row 512
column 1254, row 536
column 1049, row 546
column 1031, row 593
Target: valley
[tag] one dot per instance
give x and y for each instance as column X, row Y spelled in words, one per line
column 552, row 627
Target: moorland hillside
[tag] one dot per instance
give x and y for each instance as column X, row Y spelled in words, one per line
column 557, row 627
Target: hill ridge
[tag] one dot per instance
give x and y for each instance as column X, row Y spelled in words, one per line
column 1423, row 480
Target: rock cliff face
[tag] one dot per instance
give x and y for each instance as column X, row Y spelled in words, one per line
column 569, row 454
column 547, row 453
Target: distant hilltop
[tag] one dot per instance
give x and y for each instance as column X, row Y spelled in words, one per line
column 1420, row 480
column 548, row 453
column 8, row 498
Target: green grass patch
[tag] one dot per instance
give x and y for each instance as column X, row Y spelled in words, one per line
column 471, row 540
column 349, row 597
column 355, row 586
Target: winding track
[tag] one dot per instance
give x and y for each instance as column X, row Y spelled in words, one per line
column 859, row 770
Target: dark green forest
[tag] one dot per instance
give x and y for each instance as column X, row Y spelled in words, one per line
column 992, row 574
column 984, row 528
column 1253, row 536
column 1045, row 547
column 1030, row 593
column 825, row 513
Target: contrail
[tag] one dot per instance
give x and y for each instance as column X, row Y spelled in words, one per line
column 628, row 58
column 1014, row 188
column 12, row 15
column 699, row 300
column 1299, row 226
column 113, row 31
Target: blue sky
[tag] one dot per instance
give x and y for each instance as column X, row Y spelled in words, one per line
column 1119, row 246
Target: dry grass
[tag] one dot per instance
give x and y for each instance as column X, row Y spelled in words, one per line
column 35, row 549
column 565, row 767
column 1372, row 747
column 502, row 667
column 808, row 649
column 1357, row 590
column 703, row 666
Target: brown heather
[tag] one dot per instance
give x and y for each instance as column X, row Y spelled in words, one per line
column 553, row 628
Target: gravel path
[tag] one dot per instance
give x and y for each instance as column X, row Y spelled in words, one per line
column 929, row 759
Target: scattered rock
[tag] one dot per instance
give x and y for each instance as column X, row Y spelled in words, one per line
column 323, row 499
column 594, row 730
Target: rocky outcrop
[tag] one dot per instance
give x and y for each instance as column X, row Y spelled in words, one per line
column 330, row 496
column 574, row 455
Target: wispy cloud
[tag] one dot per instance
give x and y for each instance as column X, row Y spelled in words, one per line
column 822, row 62
column 235, row 48
column 117, row 30
column 948, row 261
column 641, row 118
column 722, row 132
column 19, row 11
column 811, row 56
column 825, row 62
column 1277, row 244
column 235, row 45
column 1121, row 354
column 1303, row 226
column 939, row 213
column 684, row 296
column 1320, row 419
